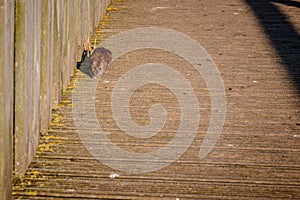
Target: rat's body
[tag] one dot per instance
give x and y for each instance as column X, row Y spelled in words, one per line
column 99, row 60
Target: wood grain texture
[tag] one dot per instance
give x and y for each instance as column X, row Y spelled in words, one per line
column 6, row 97
column 257, row 154
column 48, row 43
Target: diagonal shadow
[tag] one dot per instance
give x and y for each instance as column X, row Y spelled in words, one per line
column 282, row 34
column 288, row 3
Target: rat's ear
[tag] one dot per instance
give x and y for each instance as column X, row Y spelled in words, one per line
column 95, row 63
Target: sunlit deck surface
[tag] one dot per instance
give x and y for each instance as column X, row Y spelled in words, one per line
column 255, row 46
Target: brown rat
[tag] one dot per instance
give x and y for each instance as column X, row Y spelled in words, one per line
column 99, row 61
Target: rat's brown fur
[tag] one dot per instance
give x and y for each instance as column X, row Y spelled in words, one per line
column 99, row 59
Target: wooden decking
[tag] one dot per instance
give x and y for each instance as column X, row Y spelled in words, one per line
column 257, row 155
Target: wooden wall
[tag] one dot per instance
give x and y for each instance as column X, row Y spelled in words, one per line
column 6, row 96
column 41, row 42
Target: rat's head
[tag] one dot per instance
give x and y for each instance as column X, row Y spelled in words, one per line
column 97, row 68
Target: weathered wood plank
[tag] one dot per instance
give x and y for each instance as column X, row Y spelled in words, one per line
column 46, row 65
column 6, row 96
column 20, row 133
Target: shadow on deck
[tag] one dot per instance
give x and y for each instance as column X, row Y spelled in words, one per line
column 281, row 32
